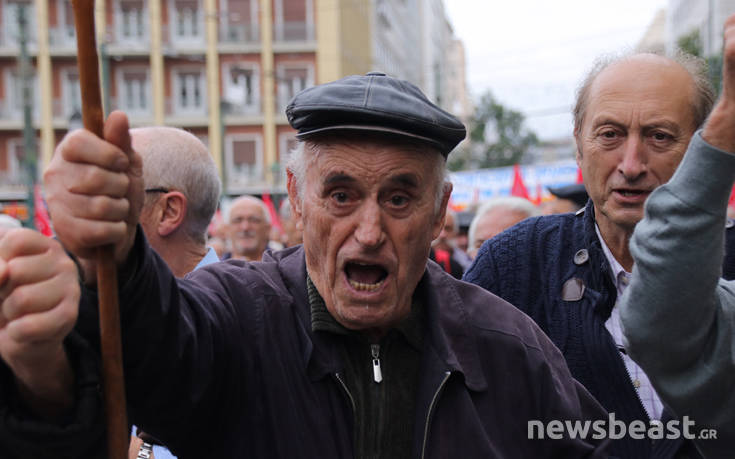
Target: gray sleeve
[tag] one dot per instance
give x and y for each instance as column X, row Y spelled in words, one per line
column 678, row 315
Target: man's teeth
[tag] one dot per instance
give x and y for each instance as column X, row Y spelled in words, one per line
column 365, row 287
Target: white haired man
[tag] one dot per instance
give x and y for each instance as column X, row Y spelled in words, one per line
column 496, row 215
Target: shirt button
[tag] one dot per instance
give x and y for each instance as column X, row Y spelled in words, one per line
column 581, row 257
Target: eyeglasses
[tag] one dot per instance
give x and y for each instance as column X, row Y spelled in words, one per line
column 157, row 190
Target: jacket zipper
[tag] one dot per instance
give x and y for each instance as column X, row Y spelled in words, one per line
column 377, row 373
column 431, row 410
column 347, row 391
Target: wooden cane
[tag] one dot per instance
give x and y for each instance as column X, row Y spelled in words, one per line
column 118, row 437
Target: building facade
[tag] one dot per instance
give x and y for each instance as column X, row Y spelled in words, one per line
column 222, row 69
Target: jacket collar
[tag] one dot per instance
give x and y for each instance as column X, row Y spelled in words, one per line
column 448, row 342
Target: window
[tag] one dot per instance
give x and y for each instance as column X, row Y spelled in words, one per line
column 66, row 32
column 187, row 21
column 239, row 21
column 11, row 9
column 287, row 142
column 294, row 20
column 15, row 85
column 134, row 91
column 71, row 96
column 291, row 80
column 131, row 21
column 244, row 157
column 189, row 92
column 241, row 86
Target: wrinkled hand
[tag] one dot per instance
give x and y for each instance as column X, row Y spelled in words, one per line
column 94, row 190
column 39, row 298
column 720, row 128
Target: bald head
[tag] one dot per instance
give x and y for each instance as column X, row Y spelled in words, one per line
column 690, row 71
column 174, row 159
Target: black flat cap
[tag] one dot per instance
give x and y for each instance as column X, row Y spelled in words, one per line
column 575, row 193
column 374, row 102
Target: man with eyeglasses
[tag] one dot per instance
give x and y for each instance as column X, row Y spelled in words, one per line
column 182, row 189
column 249, row 227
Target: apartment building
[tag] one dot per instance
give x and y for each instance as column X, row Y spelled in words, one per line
column 222, row 69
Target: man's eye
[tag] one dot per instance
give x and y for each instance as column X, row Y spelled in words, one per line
column 609, row 134
column 340, row 197
column 661, row 136
column 398, row 200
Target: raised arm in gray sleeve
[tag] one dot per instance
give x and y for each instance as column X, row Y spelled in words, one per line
column 678, row 315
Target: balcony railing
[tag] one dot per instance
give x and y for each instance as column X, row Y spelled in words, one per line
column 293, row 31
column 239, row 33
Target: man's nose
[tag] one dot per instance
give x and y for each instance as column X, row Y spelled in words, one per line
column 369, row 232
column 634, row 163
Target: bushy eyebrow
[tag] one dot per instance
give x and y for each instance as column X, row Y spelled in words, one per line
column 338, row 177
column 407, row 180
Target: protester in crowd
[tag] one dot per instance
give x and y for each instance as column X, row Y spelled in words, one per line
column 568, row 198
column 350, row 345
column 444, row 250
column 496, row 215
column 678, row 316
column 182, row 189
column 633, row 120
column 292, row 232
column 249, row 225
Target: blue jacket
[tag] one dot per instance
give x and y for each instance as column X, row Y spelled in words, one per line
column 532, row 266
column 225, row 363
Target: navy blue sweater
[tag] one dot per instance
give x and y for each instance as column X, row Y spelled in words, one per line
column 528, row 265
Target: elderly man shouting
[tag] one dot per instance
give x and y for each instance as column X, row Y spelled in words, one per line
column 348, row 346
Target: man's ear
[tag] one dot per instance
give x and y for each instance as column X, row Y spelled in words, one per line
column 293, row 195
column 174, row 212
column 441, row 215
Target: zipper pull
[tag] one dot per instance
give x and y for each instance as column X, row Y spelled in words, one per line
column 377, row 374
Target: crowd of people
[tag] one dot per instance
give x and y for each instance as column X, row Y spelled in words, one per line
column 338, row 337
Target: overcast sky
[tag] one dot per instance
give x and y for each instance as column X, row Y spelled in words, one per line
column 532, row 53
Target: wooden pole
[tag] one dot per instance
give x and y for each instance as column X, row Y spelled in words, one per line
column 118, row 437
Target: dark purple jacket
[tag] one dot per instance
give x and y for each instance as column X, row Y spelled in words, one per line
column 225, row 364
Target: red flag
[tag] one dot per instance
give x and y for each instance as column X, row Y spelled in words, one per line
column 579, row 176
column 539, row 194
column 41, row 219
column 275, row 221
column 518, row 188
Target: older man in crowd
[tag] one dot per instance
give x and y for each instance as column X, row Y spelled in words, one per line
column 496, row 215
column 678, row 315
column 182, row 189
column 633, row 120
column 249, row 226
column 350, row 345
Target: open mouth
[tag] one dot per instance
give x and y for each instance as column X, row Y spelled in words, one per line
column 365, row 277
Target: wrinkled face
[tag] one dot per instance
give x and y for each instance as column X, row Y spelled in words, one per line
column 249, row 229
column 637, row 125
column 368, row 213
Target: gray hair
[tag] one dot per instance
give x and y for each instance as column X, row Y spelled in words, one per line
column 251, row 199
column 511, row 203
column 298, row 162
column 176, row 159
column 704, row 93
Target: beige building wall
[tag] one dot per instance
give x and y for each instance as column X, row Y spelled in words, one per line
column 344, row 37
